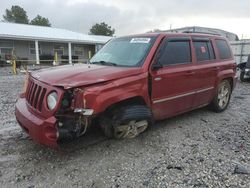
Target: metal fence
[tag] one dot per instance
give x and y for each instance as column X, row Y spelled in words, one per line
column 22, row 66
column 241, row 50
column 25, row 65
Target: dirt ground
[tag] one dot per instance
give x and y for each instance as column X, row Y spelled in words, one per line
column 197, row 149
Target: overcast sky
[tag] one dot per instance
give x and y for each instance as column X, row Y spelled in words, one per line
column 137, row 16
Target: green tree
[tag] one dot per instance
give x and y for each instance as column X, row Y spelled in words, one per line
column 39, row 20
column 102, row 29
column 16, row 15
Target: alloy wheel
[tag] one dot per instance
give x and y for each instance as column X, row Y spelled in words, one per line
column 223, row 95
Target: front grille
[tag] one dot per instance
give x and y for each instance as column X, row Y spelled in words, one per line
column 35, row 95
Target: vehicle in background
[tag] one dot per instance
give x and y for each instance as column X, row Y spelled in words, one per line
column 130, row 83
column 244, row 70
column 46, row 58
column 4, row 60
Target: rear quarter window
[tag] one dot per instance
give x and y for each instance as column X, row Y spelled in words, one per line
column 223, row 48
column 204, row 51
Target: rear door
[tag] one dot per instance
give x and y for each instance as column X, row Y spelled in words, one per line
column 173, row 84
column 206, row 71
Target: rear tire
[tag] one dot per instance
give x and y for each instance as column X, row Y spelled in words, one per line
column 127, row 122
column 242, row 76
column 222, row 98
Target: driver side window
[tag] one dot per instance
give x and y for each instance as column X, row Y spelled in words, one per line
column 175, row 52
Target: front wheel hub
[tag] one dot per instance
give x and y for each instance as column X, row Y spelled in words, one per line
column 130, row 129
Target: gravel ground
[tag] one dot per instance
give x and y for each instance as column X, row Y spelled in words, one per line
column 197, row 149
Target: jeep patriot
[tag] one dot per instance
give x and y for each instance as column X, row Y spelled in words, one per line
column 131, row 82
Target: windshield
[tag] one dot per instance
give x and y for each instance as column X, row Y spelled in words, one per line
column 125, row 51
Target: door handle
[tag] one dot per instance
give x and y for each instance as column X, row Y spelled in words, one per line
column 157, row 79
column 216, row 68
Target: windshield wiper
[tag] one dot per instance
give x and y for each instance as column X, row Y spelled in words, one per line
column 104, row 63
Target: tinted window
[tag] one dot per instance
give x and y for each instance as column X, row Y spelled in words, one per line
column 224, row 50
column 175, row 52
column 204, row 50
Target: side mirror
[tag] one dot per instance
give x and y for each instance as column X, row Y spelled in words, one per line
column 157, row 66
column 156, row 63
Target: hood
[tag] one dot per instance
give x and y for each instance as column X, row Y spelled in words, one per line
column 69, row 76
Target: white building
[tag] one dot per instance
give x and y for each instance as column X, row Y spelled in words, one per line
column 230, row 36
column 31, row 42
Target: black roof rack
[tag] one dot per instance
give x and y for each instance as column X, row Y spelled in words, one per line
column 201, row 32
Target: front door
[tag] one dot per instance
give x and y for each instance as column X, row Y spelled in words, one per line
column 173, row 85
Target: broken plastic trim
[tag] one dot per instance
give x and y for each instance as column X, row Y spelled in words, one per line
column 85, row 112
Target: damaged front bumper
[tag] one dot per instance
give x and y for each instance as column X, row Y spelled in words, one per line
column 54, row 130
column 43, row 131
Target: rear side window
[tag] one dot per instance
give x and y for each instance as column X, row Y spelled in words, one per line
column 204, row 51
column 223, row 48
column 175, row 52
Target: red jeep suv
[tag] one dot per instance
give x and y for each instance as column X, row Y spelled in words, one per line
column 128, row 84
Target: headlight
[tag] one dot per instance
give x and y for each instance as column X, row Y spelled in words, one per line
column 52, row 100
